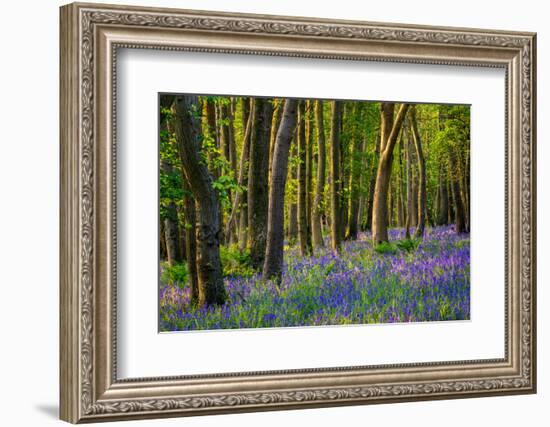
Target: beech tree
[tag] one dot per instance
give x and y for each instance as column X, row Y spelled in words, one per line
column 273, row 264
column 389, row 131
column 335, row 179
column 317, row 233
column 419, row 233
column 262, row 112
column 188, row 133
column 303, row 223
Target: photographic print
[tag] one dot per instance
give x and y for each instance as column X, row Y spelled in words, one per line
column 283, row 212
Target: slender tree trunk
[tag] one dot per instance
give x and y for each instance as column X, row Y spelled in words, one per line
column 171, row 226
column 212, row 133
column 390, row 204
column 451, row 205
column 292, row 206
column 400, row 197
column 357, row 152
column 443, row 211
column 182, row 237
column 303, row 226
column 410, row 197
column 390, row 128
column 257, row 180
column 460, row 224
column 363, row 184
column 162, row 242
column 229, row 151
column 309, row 171
column 172, row 235
column 293, row 222
column 419, row 233
column 372, row 184
column 190, row 216
column 188, row 237
column 277, row 115
column 320, row 185
column 188, row 134
column 344, row 178
column 242, row 182
column 243, row 210
column 335, row 207
column 273, row 264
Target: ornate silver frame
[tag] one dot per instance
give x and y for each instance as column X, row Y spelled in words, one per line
column 90, row 35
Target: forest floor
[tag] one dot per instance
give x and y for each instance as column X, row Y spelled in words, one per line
column 361, row 285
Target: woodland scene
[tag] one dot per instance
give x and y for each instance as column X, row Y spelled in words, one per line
column 282, row 212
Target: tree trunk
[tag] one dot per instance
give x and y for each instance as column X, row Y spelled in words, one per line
column 242, row 182
column 211, row 132
column 343, row 178
column 309, row 171
column 188, row 236
column 303, row 226
column 257, row 180
column 277, row 114
column 372, row 184
column 419, row 233
column 162, row 242
column 320, row 185
column 171, row 226
column 335, row 208
column 390, row 128
column 190, row 216
column 273, row 264
column 357, row 152
column 451, row 205
column 460, row 223
column 188, row 134
column 400, row 197
column 443, row 211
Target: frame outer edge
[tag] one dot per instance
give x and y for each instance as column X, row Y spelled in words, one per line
column 69, row 354
column 533, row 254
column 77, row 339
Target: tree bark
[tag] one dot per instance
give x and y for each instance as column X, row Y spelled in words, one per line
column 242, row 182
column 372, row 183
column 188, row 135
column 212, row 133
column 400, row 195
column 257, row 180
column 273, row 264
column 277, row 115
column 443, row 211
column 390, row 128
column 190, row 216
column 309, row 171
column 303, row 226
column 357, row 152
column 343, row 178
column 320, row 184
column 335, row 182
column 419, row 232
column 171, row 226
column 459, row 214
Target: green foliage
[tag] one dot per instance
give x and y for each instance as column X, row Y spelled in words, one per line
column 391, row 248
column 386, row 248
column 408, row 245
column 176, row 275
column 464, row 243
column 224, row 185
column 236, row 262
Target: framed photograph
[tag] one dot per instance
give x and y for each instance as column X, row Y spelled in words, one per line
column 266, row 212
